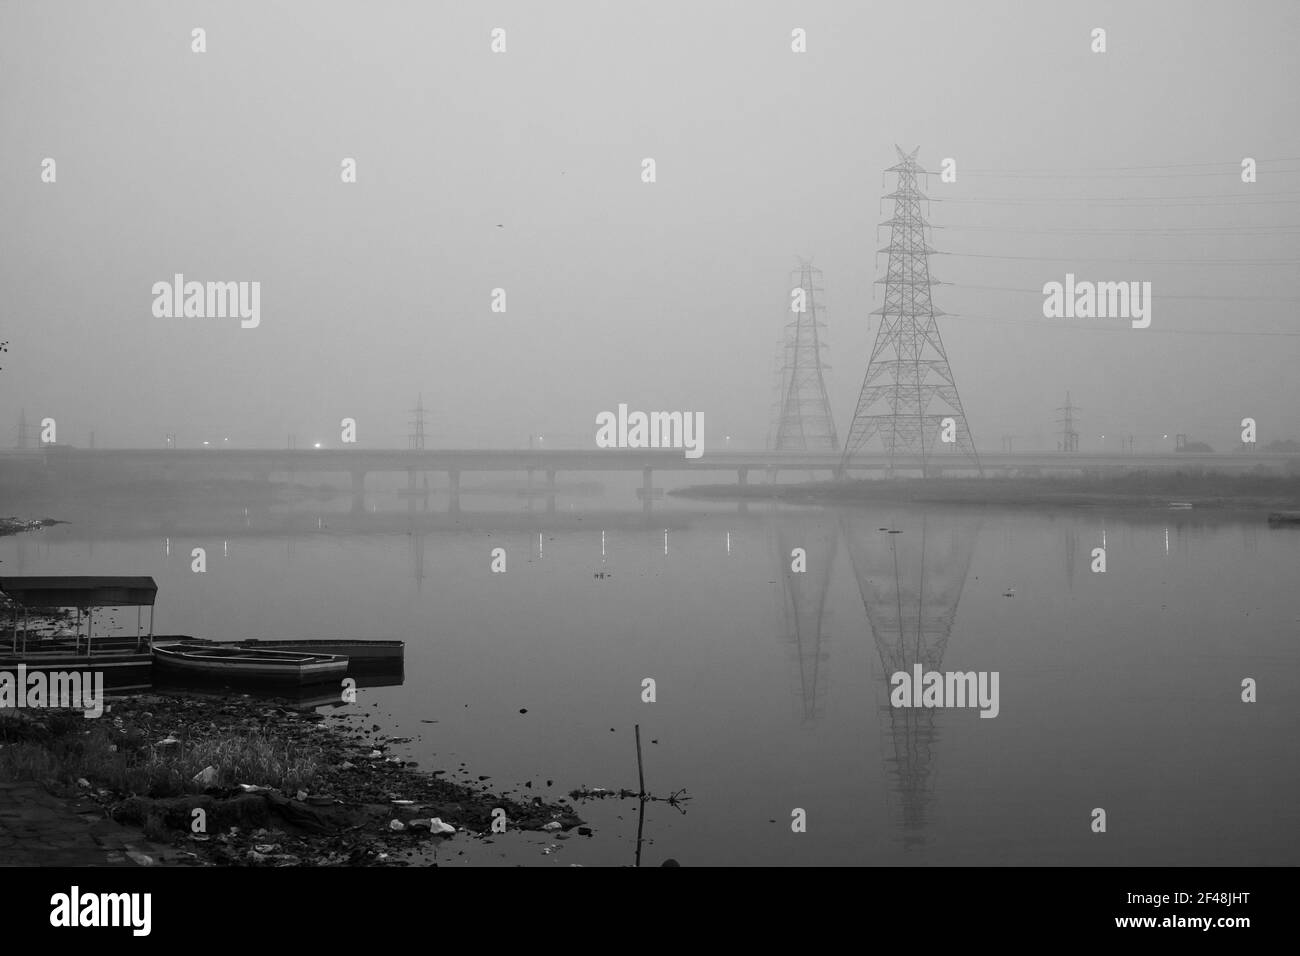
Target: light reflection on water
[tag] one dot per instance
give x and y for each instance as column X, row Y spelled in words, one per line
column 1118, row 690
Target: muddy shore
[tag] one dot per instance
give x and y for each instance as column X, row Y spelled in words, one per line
column 344, row 798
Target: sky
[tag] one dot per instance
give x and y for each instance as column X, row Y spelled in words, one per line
column 522, row 171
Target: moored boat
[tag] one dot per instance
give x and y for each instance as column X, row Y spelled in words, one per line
column 122, row 670
column 357, row 651
column 234, row 663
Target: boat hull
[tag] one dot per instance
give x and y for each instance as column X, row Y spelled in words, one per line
column 122, row 671
column 246, row 665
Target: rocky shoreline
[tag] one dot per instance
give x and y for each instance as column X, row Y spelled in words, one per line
column 358, row 803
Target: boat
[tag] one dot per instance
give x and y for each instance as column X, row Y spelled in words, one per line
column 1284, row 517
column 234, row 663
column 358, row 652
column 122, row 670
column 124, row 661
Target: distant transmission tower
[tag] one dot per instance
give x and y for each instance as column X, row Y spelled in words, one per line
column 804, row 421
column 1069, row 434
column 909, row 393
column 416, row 438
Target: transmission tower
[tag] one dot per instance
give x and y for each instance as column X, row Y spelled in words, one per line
column 909, row 393
column 1069, row 433
column 416, row 438
column 804, row 420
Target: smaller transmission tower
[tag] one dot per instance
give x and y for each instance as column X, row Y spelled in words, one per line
column 1069, row 433
column 416, row 439
column 804, row 421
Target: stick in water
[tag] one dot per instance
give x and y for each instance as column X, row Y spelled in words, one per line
column 640, row 773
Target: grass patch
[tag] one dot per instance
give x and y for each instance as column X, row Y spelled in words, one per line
column 62, row 747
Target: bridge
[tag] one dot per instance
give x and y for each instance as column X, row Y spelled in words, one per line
column 76, row 464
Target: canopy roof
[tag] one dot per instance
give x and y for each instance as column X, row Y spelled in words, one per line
column 80, row 591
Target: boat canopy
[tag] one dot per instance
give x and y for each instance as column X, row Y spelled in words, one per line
column 80, row 591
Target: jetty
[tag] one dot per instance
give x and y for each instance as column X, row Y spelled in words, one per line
column 127, row 664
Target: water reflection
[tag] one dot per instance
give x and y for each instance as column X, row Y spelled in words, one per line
column 910, row 578
column 812, row 542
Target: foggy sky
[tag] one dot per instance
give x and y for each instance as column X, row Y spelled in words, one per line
column 225, row 166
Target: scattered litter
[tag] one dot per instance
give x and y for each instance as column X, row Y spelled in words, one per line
column 207, row 777
column 83, row 782
column 1009, row 592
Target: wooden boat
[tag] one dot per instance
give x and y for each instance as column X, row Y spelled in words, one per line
column 212, row 660
column 122, row 670
column 356, row 651
column 125, row 662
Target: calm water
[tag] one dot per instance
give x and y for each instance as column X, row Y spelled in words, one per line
column 1118, row 690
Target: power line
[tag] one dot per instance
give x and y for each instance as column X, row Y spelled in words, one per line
column 1188, row 262
column 1083, row 169
column 1074, row 327
column 1217, row 298
column 1119, row 231
column 1138, row 201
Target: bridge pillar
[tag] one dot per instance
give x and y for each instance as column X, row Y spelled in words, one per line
column 743, row 474
column 453, row 485
column 358, row 490
column 550, row 491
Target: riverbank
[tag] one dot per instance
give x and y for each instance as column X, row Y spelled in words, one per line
column 12, row 525
column 241, row 782
column 1254, row 493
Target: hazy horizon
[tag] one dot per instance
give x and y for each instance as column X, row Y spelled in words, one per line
column 522, row 171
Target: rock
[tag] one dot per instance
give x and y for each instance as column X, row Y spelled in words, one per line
column 584, row 831
column 207, row 777
column 83, row 782
column 437, row 827
column 397, row 826
column 553, row 825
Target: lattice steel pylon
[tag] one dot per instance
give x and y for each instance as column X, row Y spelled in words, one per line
column 909, row 389
column 1069, row 433
column 415, row 440
column 804, row 421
